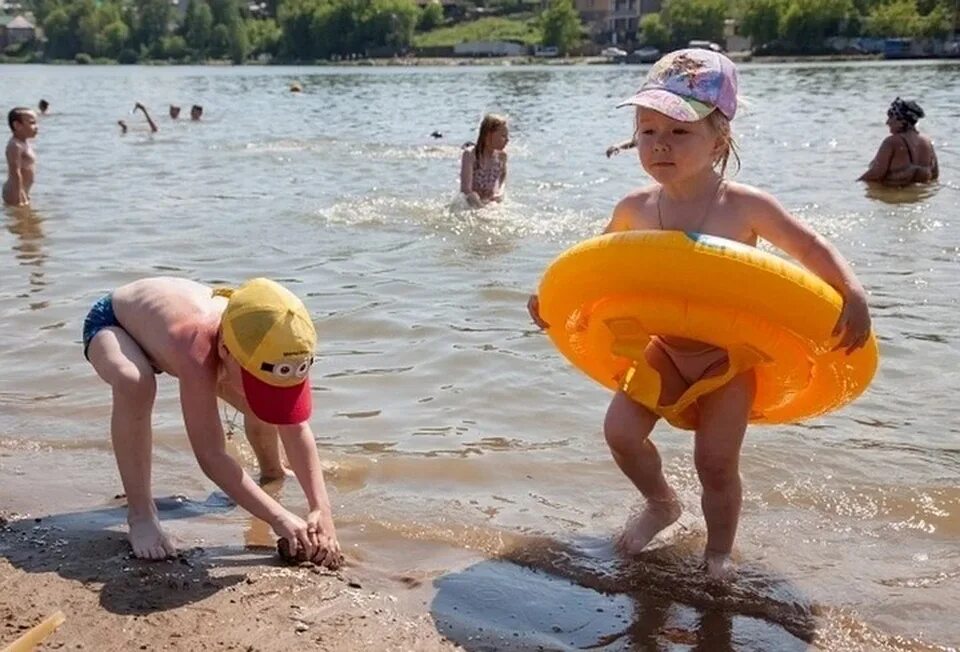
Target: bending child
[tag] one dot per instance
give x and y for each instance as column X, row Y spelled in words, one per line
column 21, row 159
column 252, row 347
column 684, row 141
column 483, row 167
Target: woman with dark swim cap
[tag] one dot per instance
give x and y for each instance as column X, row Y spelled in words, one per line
column 906, row 156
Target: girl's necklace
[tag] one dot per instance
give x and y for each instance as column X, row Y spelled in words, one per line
column 706, row 210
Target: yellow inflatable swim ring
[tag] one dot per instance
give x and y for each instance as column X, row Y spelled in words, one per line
column 605, row 297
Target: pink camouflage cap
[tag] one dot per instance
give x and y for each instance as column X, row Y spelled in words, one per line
column 687, row 85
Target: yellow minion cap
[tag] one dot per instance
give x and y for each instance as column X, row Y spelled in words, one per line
column 269, row 331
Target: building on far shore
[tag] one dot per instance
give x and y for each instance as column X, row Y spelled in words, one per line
column 16, row 29
column 615, row 21
column 734, row 41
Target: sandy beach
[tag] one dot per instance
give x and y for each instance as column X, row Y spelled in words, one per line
column 221, row 597
column 225, row 590
column 202, row 600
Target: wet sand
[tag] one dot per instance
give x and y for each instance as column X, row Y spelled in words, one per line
column 205, row 599
column 224, row 592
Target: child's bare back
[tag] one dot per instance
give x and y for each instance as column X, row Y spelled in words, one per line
column 175, row 321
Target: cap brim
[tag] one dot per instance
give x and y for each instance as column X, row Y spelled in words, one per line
column 279, row 406
column 670, row 105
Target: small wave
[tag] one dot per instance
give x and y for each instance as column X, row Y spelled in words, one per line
column 512, row 220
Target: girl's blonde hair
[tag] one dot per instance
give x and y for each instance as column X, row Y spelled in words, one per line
column 490, row 123
column 721, row 126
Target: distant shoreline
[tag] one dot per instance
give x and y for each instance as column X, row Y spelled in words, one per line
column 739, row 57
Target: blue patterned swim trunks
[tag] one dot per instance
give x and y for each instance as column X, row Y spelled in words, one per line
column 100, row 316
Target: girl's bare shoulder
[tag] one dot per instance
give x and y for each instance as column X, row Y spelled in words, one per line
column 640, row 196
column 747, row 196
column 635, row 210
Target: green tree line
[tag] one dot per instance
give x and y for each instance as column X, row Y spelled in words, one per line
column 134, row 30
column 797, row 25
column 304, row 30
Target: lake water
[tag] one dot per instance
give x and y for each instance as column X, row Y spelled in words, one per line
column 453, row 430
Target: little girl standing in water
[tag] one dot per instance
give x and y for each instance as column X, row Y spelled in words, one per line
column 683, row 137
column 483, row 167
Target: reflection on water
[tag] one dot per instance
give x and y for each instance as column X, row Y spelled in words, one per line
column 547, row 595
column 27, row 225
column 447, row 422
column 543, row 594
column 911, row 194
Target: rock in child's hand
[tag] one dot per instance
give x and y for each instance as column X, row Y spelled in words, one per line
column 283, row 549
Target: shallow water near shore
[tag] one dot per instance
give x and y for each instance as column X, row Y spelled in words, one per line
column 461, row 449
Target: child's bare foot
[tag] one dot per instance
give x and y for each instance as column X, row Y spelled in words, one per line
column 148, row 539
column 718, row 565
column 655, row 517
column 274, row 473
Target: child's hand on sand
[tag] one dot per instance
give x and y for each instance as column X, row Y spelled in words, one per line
column 291, row 527
column 324, row 537
column 853, row 324
column 533, row 307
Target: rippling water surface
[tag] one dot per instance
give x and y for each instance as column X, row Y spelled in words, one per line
column 452, row 429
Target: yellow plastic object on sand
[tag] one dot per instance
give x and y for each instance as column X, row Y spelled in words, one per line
column 36, row 635
column 605, row 297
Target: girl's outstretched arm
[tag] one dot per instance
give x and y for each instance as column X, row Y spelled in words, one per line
column 773, row 223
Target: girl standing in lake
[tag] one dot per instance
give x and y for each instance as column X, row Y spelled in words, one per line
column 483, row 167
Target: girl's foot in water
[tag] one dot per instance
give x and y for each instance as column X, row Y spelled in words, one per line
column 718, row 565
column 643, row 527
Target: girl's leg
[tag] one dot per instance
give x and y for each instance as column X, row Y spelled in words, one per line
column 120, row 361
column 627, row 430
column 723, row 422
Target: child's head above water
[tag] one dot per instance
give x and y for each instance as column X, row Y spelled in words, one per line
column 493, row 134
column 22, row 122
column 693, row 86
